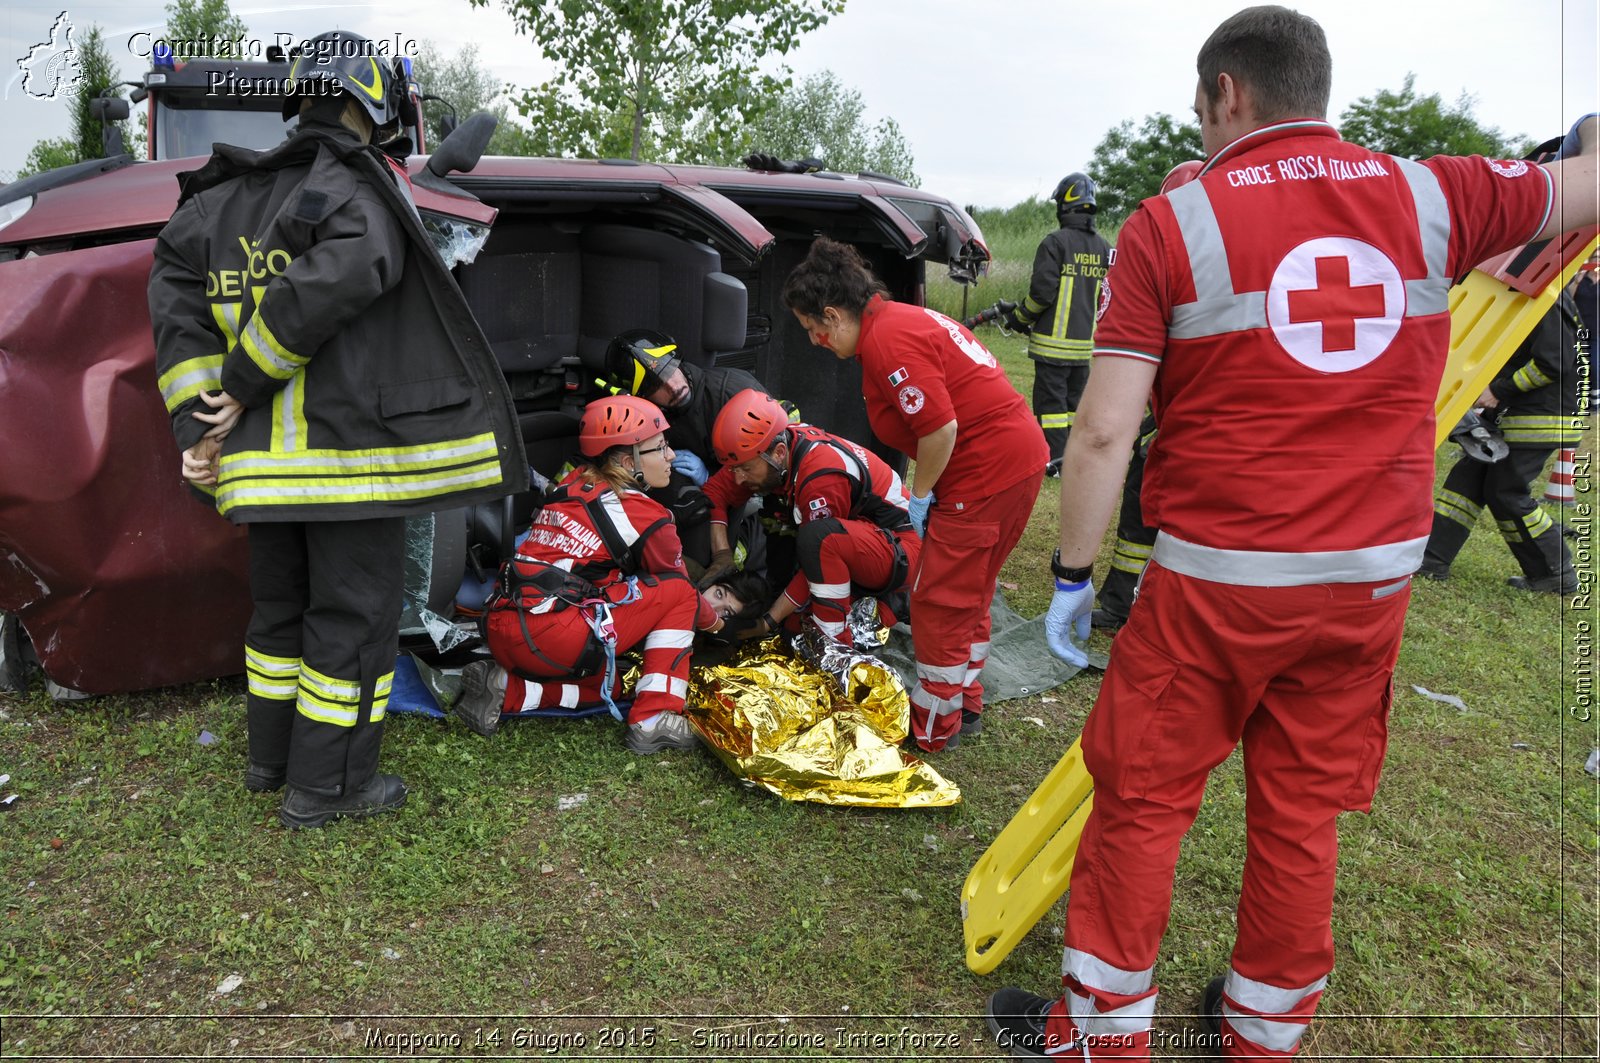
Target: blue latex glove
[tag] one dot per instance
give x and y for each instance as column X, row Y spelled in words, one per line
column 689, row 464
column 1569, row 144
column 1069, row 615
column 919, row 511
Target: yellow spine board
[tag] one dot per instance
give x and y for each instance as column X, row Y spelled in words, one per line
column 1488, row 321
column 1028, row 867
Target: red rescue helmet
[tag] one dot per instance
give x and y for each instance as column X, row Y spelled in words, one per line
column 1181, row 175
column 617, row 421
column 747, row 426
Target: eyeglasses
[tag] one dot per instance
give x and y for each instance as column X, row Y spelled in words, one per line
column 654, row 450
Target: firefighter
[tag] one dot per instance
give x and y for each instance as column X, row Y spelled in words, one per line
column 646, row 363
column 353, row 389
column 1289, row 308
column 600, row 573
column 1541, row 408
column 1059, row 310
column 854, row 536
column 934, row 393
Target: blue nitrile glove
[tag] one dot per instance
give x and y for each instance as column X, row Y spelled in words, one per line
column 1069, row 614
column 918, row 508
column 1569, row 143
column 689, row 463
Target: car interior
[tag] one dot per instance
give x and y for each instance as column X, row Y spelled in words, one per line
column 550, row 291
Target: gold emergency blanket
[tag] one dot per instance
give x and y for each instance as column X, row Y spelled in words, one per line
column 825, row 729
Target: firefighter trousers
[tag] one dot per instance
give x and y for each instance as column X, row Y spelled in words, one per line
column 1057, row 386
column 952, row 585
column 843, row 558
column 320, row 647
column 1302, row 676
column 1505, row 487
column 660, row 620
column 1134, row 543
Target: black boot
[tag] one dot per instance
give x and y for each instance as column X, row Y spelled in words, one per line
column 1016, row 1018
column 262, row 779
column 382, row 793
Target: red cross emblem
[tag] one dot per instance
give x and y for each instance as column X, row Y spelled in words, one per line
column 1335, row 303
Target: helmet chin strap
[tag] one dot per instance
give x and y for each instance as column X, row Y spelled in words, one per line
column 638, row 466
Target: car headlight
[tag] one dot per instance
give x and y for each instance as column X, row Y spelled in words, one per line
column 10, row 212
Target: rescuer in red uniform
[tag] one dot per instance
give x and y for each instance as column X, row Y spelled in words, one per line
column 935, row 393
column 855, row 535
column 601, row 572
column 1289, row 309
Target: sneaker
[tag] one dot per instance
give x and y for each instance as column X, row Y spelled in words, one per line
column 382, row 793
column 480, row 701
column 1053, row 469
column 1106, row 620
column 664, row 730
column 1561, row 583
column 1211, row 1010
column 260, row 779
column 971, row 723
column 1016, row 1018
column 1434, row 571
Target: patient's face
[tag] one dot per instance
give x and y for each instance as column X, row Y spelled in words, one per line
column 674, row 391
column 727, row 604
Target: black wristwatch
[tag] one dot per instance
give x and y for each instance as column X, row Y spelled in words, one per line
column 1070, row 575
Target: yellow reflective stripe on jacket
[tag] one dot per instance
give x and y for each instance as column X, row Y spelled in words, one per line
column 338, row 701
column 189, row 378
column 1543, row 428
column 226, row 316
column 1048, row 421
column 289, row 416
column 1053, row 347
column 329, row 462
column 361, row 489
column 270, row 356
column 1530, row 377
column 271, row 677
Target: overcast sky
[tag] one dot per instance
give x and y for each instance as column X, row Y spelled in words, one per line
column 997, row 100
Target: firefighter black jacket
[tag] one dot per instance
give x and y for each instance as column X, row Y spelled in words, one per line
column 1544, row 389
column 1064, row 293
column 300, row 281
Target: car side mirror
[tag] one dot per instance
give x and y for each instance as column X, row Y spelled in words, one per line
column 109, row 108
column 447, row 125
column 461, row 150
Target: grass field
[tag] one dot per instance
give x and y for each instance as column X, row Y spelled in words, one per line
column 152, row 907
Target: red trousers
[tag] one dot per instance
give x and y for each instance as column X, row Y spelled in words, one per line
column 1301, row 675
column 662, row 618
column 838, row 557
column 952, row 585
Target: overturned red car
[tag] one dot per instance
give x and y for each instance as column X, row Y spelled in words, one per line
column 121, row 579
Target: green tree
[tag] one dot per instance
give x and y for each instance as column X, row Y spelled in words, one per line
column 1417, row 127
column 462, row 82
column 821, row 118
column 99, row 75
column 47, row 155
column 630, row 71
column 193, row 21
column 1128, row 165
